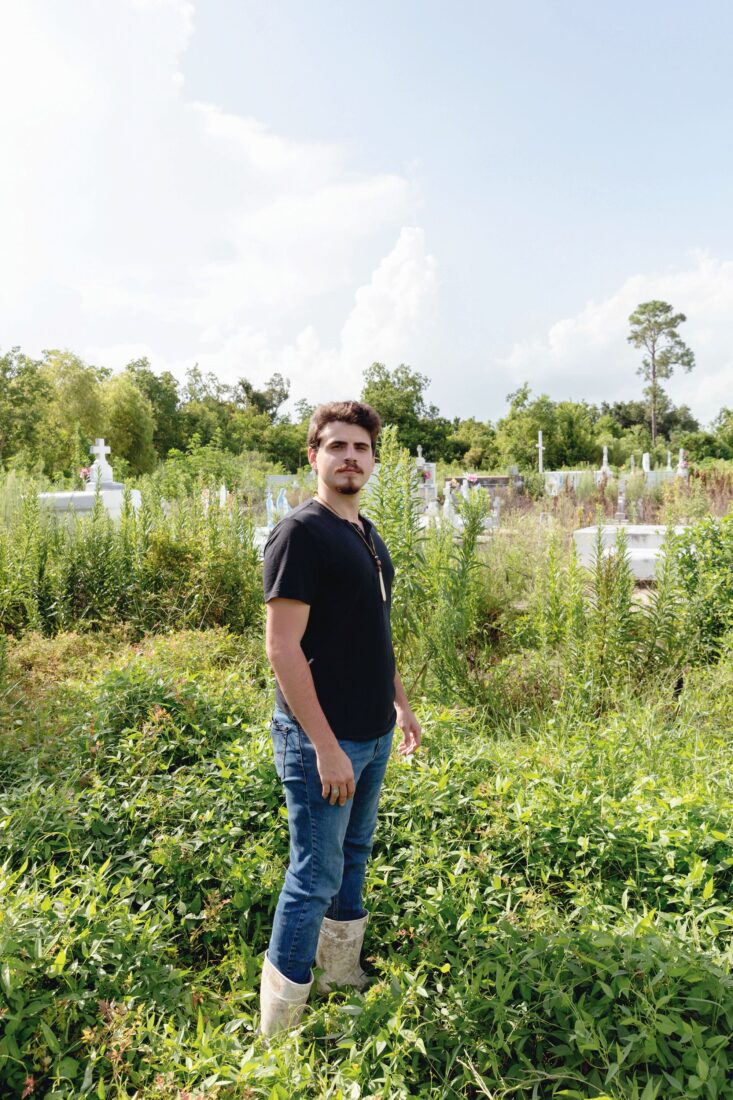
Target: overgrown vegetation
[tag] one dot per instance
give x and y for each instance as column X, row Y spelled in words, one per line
column 52, row 408
column 550, row 889
column 184, row 565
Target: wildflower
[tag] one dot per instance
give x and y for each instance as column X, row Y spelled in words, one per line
column 30, row 1087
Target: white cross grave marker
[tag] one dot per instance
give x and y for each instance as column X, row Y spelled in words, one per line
column 605, row 468
column 101, row 471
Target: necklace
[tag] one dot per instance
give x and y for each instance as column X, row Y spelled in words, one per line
column 368, row 542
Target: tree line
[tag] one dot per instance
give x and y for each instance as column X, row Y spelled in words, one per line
column 52, row 408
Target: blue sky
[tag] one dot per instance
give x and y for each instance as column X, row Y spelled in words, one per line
column 483, row 191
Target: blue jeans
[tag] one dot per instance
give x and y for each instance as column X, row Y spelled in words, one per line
column 329, row 845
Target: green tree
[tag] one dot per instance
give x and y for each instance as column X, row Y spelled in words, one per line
column 286, row 443
column 476, row 443
column 24, row 399
column 162, row 391
column 568, row 431
column 670, row 418
column 130, row 423
column 700, row 445
column 399, row 397
column 654, row 328
column 75, row 414
column 574, row 436
column 247, row 430
column 722, row 427
column 304, row 410
column 202, row 387
column 206, row 408
column 267, row 400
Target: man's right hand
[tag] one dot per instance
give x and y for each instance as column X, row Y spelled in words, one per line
column 337, row 774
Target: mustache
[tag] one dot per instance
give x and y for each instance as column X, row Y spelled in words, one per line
column 351, row 468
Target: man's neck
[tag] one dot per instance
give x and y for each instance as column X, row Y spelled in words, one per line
column 346, row 506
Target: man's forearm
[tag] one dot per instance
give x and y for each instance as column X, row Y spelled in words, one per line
column 400, row 697
column 296, row 680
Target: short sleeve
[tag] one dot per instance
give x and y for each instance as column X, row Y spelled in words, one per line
column 291, row 563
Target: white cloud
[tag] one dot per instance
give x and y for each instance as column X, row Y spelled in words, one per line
column 388, row 322
column 137, row 221
column 587, row 356
column 392, row 304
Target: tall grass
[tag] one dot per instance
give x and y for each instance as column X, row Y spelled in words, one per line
column 551, row 880
column 436, row 610
column 186, row 566
column 597, row 636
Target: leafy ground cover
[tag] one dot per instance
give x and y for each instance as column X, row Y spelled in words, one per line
column 550, row 896
column 551, row 883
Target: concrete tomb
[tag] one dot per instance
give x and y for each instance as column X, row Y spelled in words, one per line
column 100, row 480
column 644, row 543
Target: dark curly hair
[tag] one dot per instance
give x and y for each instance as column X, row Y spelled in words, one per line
column 346, row 412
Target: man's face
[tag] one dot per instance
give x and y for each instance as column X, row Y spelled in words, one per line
column 344, row 458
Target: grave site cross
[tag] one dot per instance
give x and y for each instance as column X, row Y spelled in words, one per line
column 101, row 471
column 99, row 450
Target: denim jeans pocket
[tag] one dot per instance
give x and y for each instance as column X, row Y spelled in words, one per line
column 279, row 732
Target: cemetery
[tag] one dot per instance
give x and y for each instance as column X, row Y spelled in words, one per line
column 570, row 804
column 505, row 230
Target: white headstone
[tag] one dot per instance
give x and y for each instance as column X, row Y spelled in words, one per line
column 269, row 508
column 669, row 460
column 465, row 489
column 621, row 504
column 100, row 480
column 646, row 464
column 541, row 453
column 449, row 508
column 632, row 464
column 605, row 468
column 100, row 472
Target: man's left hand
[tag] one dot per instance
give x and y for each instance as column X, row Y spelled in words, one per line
column 411, row 731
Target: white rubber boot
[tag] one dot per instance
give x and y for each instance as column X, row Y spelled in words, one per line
column 281, row 1001
column 337, row 954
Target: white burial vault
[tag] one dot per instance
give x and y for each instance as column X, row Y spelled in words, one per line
column 100, row 478
column 644, row 543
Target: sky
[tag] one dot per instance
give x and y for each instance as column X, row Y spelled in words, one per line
column 483, row 191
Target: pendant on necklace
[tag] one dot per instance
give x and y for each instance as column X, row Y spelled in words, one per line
column 381, row 583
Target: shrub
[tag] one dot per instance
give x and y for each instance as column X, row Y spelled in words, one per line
column 705, row 558
column 190, row 566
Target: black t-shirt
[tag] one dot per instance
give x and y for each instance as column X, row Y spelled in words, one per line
column 316, row 557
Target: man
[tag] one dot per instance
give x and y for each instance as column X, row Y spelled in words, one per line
column 328, row 582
